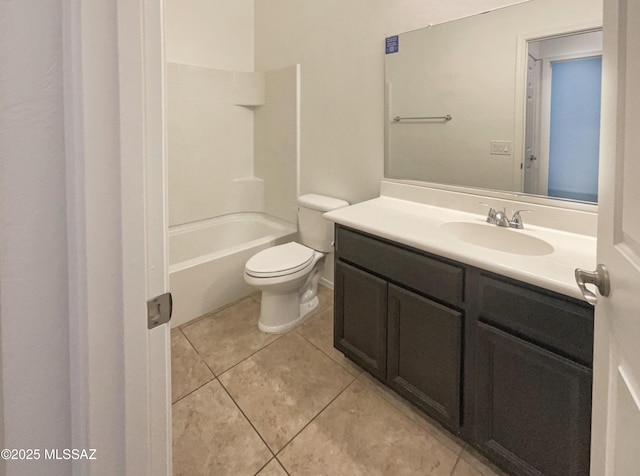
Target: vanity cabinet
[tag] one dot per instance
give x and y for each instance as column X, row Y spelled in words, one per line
column 395, row 316
column 503, row 364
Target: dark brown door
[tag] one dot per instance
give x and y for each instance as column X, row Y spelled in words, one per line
column 361, row 318
column 533, row 406
column 424, row 354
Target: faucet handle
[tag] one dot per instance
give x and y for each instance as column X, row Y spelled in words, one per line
column 516, row 221
column 491, row 216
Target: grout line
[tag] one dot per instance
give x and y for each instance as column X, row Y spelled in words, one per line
column 280, row 336
column 214, row 312
column 314, row 418
column 264, row 466
column 282, row 466
column 247, row 418
column 195, row 390
column 453, row 470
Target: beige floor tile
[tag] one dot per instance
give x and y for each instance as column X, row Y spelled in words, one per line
column 325, row 296
column 229, row 336
column 480, row 463
column 362, row 434
column 211, row 436
column 319, row 331
column 414, row 414
column 282, row 387
column 188, row 371
column 465, row 469
column 272, row 469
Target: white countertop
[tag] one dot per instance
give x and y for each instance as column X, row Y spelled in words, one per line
column 417, row 225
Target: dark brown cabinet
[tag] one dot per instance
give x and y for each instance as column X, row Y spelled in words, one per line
column 503, row 364
column 388, row 320
column 533, row 390
column 360, row 329
column 424, row 354
column 533, row 407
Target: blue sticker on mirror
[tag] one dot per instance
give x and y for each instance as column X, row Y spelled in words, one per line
column 391, row 44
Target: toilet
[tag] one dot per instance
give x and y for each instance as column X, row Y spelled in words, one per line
column 288, row 274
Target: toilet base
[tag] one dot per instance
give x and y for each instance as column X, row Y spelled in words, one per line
column 276, row 307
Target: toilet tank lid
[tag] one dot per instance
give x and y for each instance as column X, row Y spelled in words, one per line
column 321, row 202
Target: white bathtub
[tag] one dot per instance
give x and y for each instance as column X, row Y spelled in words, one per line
column 207, row 260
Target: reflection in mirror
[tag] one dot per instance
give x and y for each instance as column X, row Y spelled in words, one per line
column 475, row 70
column 562, row 137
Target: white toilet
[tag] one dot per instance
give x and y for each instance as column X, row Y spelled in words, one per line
column 288, row 274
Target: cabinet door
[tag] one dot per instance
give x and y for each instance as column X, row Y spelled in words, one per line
column 533, row 407
column 360, row 313
column 424, row 354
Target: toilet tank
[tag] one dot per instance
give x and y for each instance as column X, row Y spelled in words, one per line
column 315, row 231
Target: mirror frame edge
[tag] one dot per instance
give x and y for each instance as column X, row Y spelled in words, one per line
column 587, row 207
column 519, row 131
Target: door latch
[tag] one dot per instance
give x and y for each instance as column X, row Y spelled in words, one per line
column 159, row 310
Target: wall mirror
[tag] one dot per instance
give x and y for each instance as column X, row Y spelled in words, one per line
column 508, row 100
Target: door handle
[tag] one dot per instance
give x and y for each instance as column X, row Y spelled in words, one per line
column 599, row 278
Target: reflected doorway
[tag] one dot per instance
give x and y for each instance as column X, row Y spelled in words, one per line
column 562, row 132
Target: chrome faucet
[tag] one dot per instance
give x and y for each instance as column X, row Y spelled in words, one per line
column 499, row 218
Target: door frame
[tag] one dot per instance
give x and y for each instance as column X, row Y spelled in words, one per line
column 116, row 194
column 522, row 54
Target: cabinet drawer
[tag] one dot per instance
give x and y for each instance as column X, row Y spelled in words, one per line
column 409, row 268
column 561, row 324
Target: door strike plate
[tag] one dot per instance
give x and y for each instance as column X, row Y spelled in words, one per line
column 159, row 310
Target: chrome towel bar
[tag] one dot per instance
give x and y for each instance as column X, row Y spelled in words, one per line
column 445, row 118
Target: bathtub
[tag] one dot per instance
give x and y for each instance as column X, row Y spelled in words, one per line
column 207, row 258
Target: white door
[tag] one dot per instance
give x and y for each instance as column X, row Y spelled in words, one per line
column 616, row 388
column 143, row 196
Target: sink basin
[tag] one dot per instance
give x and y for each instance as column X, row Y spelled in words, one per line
column 497, row 238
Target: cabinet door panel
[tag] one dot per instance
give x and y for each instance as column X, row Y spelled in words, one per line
column 361, row 318
column 533, row 407
column 424, row 354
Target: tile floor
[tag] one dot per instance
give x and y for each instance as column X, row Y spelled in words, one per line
column 245, row 402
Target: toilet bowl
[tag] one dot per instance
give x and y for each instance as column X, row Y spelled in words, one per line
column 288, row 277
column 288, row 274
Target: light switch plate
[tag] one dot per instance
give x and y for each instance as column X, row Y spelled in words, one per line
column 500, row 147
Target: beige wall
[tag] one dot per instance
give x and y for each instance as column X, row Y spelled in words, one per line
column 213, row 33
column 340, row 47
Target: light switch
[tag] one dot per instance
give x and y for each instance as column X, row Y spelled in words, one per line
column 500, row 147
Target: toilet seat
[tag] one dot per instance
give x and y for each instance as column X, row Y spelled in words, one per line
column 279, row 260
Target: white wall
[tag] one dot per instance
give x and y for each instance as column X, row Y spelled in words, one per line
column 210, row 146
column 276, row 143
column 33, row 235
column 210, row 137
